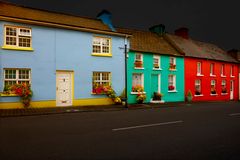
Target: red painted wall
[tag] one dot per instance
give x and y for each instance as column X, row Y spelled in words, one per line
column 191, row 76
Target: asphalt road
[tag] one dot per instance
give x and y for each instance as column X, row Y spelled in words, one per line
column 185, row 132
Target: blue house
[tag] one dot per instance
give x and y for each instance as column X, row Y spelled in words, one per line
column 63, row 57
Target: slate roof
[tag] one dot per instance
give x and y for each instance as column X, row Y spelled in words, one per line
column 197, row 49
column 146, row 41
column 25, row 13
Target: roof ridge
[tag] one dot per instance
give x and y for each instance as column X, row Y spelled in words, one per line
column 45, row 10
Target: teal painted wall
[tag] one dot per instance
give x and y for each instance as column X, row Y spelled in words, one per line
column 164, row 73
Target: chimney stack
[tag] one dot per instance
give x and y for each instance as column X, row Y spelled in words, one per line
column 106, row 17
column 235, row 54
column 182, row 32
column 158, row 29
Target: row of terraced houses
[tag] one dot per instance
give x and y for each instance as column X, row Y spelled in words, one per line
column 64, row 57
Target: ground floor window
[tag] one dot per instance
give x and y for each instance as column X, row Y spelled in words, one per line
column 99, row 81
column 16, row 76
column 171, row 82
column 198, row 87
column 137, row 82
column 213, row 87
column 224, row 88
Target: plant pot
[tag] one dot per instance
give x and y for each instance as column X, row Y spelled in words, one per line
column 189, row 98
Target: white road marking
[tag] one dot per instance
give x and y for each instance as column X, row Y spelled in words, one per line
column 234, row 114
column 147, row 125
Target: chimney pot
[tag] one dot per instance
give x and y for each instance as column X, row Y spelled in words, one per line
column 182, row 32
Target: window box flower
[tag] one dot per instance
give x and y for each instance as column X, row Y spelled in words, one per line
column 198, row 92
column 172, row 66
column 213, row 91
column 137, row 88
column 138, row 64
column 156, row 66
column 171, row 88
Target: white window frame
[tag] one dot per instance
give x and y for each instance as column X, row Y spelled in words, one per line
column 19, row 34
column 223, row 70
column 232, row 71
column 223, row 83
column 212, row 68
column 158, row 58
column 198, row 82
column 136, row 83
column 199, row 69
column 18, row 80
column 100, row 80
column 101, row 44
column 172, row 61
column 173, row 81
column 213, row 83
column 138, row 59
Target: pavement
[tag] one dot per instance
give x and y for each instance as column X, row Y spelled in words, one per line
column 62, row 110
column 76, row 109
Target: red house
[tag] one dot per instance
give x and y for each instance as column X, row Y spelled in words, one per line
column 211, row 74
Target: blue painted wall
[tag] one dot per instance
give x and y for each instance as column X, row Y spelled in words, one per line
column 60, row 49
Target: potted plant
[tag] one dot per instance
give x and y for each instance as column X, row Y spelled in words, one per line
column 197, row 92
column 141, row 98
column 157, row 96
column 213, row 91
column 189, row 96
column 156, row 66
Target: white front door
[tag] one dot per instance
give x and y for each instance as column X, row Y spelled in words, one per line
column 64, row 89
column 231, row 89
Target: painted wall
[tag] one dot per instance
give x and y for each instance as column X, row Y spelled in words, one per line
column 191, row 76
column 59, row 49
column 148, row 71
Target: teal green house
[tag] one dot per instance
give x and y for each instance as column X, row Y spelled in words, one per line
column 154, row 66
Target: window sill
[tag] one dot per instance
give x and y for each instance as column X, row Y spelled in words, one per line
column 138, row 68
column 172, row 69
column 98, row 93
column 200, row 95
column 224, row 94
column 157, row 69
column 211, row 75
column 232, row 76
column 223, row 76
column 173, row 91
column 213, row 94
column 8, row 95
column 18, row 48
column 135, row 93
column 200, row 75
column 102, row 54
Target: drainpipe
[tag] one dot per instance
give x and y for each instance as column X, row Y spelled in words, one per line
column 125, row 53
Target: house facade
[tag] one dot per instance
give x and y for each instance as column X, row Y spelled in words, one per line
column 154, row 66
column 211, row 74
column 64, row 58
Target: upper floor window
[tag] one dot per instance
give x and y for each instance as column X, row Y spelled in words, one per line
column 232, row 71
column 18, row 37
column 223, row 70
column 156, row 62
column 171, row 82
column 172, row 63
column 16, row 76
column 138, row 62
column 101, row 46
column 99, row 81
column 199, row 68
column 212, row 66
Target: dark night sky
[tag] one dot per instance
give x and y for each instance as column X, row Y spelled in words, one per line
column 213, row 21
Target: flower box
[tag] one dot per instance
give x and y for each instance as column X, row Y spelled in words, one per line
column 138, row 64
column 172, row 66
column 170, row 88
